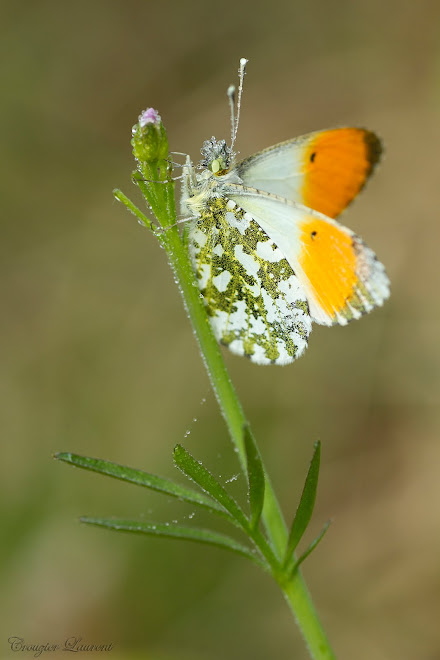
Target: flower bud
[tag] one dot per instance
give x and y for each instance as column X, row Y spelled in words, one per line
column 149, row 141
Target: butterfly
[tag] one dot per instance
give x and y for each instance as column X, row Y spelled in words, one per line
column 269, row 255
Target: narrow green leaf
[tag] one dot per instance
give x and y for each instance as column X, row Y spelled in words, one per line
column 144, row 479
column 256, row 479
column 143, row 220
column 203, row 478
column 311, row 547
column 179, row 532
column 305, row 507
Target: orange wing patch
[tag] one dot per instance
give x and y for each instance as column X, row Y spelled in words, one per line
column 329, row 263
column 337, row 164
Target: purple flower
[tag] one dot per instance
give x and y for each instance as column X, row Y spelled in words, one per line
column 149, row 116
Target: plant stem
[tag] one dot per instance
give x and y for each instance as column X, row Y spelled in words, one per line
column 300, row 602
column 153, row 177
column 295, row 589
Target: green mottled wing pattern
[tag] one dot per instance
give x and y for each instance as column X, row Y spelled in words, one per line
column 254, row 300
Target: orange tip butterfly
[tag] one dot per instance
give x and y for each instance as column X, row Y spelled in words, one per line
column 268, row 254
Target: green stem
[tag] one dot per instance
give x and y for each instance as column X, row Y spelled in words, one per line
column 295, row 589
column 161, row 198
column 300, row 602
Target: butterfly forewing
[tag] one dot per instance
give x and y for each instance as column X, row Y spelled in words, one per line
column 256, row 304
column 323, row 170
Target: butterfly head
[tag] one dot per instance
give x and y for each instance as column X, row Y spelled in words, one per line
column 217, row 156
column 217, row 164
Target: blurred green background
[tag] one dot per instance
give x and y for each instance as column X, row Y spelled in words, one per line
column 97, row 356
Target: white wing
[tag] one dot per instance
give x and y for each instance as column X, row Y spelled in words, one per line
column 341, row 277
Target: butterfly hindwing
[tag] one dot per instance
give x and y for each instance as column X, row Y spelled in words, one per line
column 341, row 277
column 324, row 170
column 256, row 304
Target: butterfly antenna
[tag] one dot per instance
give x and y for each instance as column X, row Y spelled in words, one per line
column 231, row 99
column 241, row 72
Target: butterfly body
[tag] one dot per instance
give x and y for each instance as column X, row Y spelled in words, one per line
column 269, row 256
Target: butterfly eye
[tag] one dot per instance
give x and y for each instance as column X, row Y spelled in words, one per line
column 217, row 165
